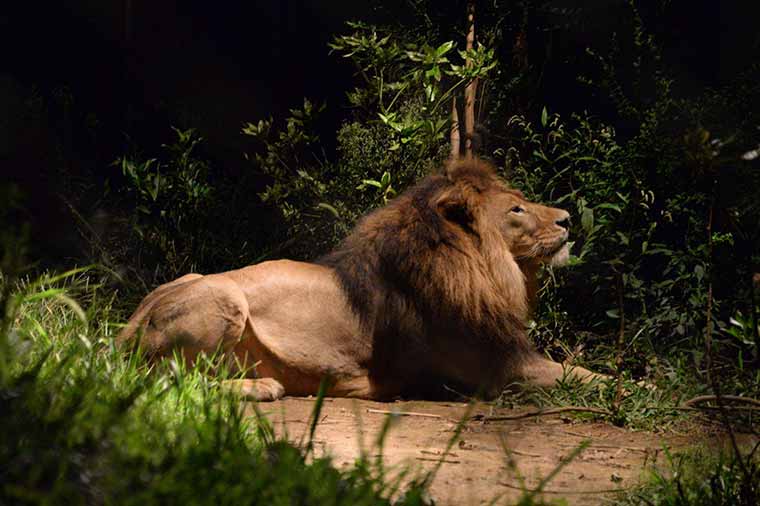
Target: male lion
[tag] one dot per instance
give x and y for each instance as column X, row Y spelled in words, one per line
column 434, row 288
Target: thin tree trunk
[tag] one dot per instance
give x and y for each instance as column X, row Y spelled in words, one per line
column 456, row 140
column 620, row 344
column 755, row 302
column 470, row 91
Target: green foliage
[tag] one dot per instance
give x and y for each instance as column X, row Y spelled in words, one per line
column 171, row 199
column 304, row 187
column 700, row 478
column 408, row 82
column 643, row 204
column 320, row 200
column 85, row 423
column 399, row 134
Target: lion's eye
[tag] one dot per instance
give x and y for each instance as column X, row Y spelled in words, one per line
column 518, row 210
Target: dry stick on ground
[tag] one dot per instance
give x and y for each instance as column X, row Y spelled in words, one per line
column 525, row 454
column 563, row 492
column 686, row 406
column 428, row 459
column 724, row 398
column 541, row 412
column 402, row 413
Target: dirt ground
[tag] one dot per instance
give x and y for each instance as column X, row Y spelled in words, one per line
column 476, row 471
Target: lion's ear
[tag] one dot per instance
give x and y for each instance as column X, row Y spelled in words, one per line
column 453, row 206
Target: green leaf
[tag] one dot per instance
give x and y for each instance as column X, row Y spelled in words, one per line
column 45, row 294
column 614, row 207
column 544, row 117
column 434, row 72
column 328, row 207
column 369, row 182
column 613, row 313
column 444, row 48
column 587, row 220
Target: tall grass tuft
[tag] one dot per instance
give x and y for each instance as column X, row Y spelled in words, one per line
column 83, row 423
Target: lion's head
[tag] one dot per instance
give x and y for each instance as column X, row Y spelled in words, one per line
column 532, row 232
column 452, row 260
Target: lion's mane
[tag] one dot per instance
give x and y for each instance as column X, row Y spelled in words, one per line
column 432, row 279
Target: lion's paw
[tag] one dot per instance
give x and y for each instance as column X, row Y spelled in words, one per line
column 262, row 390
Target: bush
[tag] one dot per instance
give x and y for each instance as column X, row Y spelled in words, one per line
column 700, row 478
column 171, row 199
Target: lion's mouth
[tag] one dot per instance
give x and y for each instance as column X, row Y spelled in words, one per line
column 559, row 254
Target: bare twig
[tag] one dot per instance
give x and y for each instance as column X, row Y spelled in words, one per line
column 524, row 454
column 311, row 399
column 439, row 460
column 712, row 408
column 402, row 413
column 610, row 447
column 726, row 398
column 563, row 492
column 542, row 412
column 438, row 452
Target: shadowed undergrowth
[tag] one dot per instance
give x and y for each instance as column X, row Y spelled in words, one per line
column 83, row 424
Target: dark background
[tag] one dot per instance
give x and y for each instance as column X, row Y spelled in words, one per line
column 83, row 82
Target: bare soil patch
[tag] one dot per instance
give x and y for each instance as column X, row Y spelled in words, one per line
column 476, row 470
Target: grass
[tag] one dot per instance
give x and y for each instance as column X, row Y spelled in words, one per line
column 700, row 478
column 656, row 404
column 85, row 424
column 642, row 407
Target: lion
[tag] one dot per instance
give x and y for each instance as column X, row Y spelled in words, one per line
column 433, row 289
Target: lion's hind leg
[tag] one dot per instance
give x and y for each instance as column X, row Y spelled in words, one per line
column 202, row 315
column 137, row 324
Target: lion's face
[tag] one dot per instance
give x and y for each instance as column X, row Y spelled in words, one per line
column 532, row 231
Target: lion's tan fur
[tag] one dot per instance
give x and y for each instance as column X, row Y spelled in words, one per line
column 434, row 288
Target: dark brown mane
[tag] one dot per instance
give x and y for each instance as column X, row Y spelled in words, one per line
column 428, row 272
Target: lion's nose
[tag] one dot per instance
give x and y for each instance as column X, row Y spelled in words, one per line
column 564, row 222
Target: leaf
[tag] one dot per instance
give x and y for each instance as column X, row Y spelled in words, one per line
column 614, row 207
column 444, row 48
column 434, row 72
column 369, row 182
column 45, row 294
column 328, row 207
column 544, row 116
column 613, row 313
column 587, row 220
